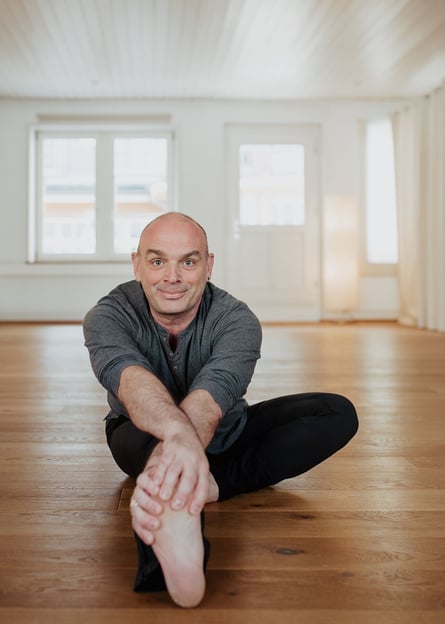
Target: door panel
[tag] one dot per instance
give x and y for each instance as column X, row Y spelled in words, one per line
column 275, row 267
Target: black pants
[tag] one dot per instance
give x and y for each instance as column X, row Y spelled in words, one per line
column 283, row 438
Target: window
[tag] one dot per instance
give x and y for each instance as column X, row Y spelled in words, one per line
column 271, row 184
column 68, row 205
column 95, row 191
column 380, row 195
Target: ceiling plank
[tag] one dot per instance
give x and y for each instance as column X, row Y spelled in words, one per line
column 221, row 48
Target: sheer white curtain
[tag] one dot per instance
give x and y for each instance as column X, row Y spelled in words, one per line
column 419, row 141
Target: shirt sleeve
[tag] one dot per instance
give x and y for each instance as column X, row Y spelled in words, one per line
column 111, row 339
column 235, row 348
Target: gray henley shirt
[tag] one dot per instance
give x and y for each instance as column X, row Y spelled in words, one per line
column 217, row 352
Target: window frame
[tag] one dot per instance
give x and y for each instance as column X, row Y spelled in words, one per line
column 104, row 134
column 368, row 269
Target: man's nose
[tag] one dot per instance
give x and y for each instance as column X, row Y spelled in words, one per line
column 172, row 273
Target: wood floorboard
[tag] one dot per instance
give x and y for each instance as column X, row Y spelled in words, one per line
column 358, row 540
column 222, row 615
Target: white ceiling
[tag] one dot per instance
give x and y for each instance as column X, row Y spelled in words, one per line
column 221, row 48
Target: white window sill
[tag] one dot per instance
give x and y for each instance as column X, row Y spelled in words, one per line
column 87, row 269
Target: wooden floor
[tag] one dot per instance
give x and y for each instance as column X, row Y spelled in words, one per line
column 358, row 540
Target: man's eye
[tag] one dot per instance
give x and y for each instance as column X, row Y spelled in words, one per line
column 189, row 262
column 156, row 262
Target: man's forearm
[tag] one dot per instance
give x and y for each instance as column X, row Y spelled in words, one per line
column 204, row 414
column 149, row 403
column 153, row 410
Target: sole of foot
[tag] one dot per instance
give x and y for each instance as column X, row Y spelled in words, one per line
column 180, row 551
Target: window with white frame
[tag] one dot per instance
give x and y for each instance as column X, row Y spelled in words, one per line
column 380, row 196
column 95, row 191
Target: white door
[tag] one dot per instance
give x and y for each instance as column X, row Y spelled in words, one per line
column 273, row 178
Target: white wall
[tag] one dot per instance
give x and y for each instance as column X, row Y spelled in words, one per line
column 62, row 292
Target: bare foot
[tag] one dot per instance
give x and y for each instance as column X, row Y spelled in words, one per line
column 180, row 551
column 213, row 494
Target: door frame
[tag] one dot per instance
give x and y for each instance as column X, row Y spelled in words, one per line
column 310, row 136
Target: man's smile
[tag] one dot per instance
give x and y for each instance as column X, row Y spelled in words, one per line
column 172, row 294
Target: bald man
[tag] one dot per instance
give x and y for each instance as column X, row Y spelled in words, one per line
column 176, row 355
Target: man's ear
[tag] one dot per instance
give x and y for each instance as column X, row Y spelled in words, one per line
column 210, row 261
column 135, row 261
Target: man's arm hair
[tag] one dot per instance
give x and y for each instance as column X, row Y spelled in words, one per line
column 204, row 414
column 152, row 409
column 149, row 404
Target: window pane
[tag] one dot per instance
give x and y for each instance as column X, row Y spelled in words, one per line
column 68, row 195
column 272, row 185
column 140, row 187
column 381, row 219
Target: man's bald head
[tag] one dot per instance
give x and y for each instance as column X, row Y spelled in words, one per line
column 175, row 217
